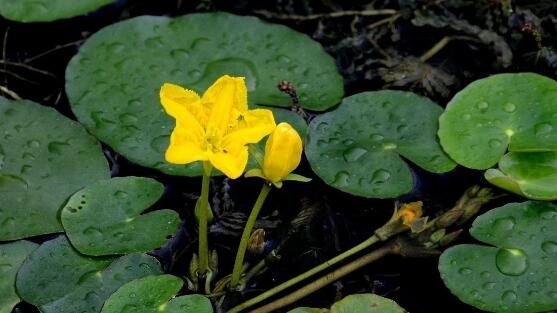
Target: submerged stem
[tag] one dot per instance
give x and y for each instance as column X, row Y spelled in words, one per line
column 239, row 262
column 203, row 205
column 271, row 292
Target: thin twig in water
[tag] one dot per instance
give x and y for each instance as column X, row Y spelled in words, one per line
column 390, row 20
column 9, row 92
column 28, row 67
column 17, row 76
column 4, row 48
column 57, row 48
column 370, row 12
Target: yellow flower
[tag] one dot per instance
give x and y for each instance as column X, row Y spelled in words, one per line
column 410, row 212
column 283, row 153
column 215, row 127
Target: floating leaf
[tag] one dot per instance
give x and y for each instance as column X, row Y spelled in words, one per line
column 530, row 174
column 11, row 256
column 154, row 294
column 47, row 10
column 517, row 111
column 368, row 303
column 515, row 275
column 105, row 218
column 57, row 279
column 358, row 147
column 44, row 158
column 113, row 83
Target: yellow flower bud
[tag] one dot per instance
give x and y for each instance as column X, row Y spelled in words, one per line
column 283, row 153
column 410, row 212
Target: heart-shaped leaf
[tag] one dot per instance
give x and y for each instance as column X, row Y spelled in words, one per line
column 47, row 10
column 113, row 83
column 12, row 256
column 517, row 111
column 154, row 294
column 530, row 174
column 105, row 218
column 58, row 279
column 515, row 275
column 359, row 147
column 368, row 303
column 44, row 158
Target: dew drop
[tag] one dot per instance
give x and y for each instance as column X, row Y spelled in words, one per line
column 548, row 215
column 389, row 146
column 483, row 106
column 179, row 54
column 509, row 107
column 549, row 247
column 512, row 262
column 467, row 116
column 342, row 179
column 509, row 296
column 376, row 137
column 380, row 176
column 4, row 268
column 322, row 126
column 128, row 118
column 542, row 128
column 92, row 231
column 488, row 285
column 465, row 271
column 160, row 143
column 353, row 154
column 504, row 224
column 494, row 143
column 485, row 274
column 57, row 147
column 33, row 144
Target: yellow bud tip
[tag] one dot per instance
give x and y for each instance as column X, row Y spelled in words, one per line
column 509, row 132
column 409, row 212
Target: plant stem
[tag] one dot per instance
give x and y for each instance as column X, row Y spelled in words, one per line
column 203, row 205
column 390, row 248
column 365, row 244
column 240, row 254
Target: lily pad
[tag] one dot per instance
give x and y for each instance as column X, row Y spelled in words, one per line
column 44, row 158
column 514, row 111
column 47, row 10
column 113, row 83
column 529, row 174
column 366, row 303
column 359, row 147
column 105, row 218
column 138, row 296
column 12, row 256
column 517, row 273
column 57, row 279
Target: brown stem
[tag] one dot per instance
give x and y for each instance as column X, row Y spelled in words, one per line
column 370, row 12
column 389, row 248
column 435, row 49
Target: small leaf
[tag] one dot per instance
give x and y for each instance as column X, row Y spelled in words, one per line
column 530, row 174
column 154, row 294
column 298, row 178
column 517, row 111
column 44, row 158
column 361, row 147
column 12, row 256
column 105, row 218
column 517, row 273
column 47, row 10
column 368, row 303
column 197, row 212
column 58, row 279
column 256, row 172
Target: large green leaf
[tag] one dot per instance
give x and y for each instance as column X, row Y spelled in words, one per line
column 518, row 111
column 12, row 256
column 105, row 218
column 366, row 303
column 359, row 147
column 154, row 294
column 44, row 158
column 517, row 273
column 57, row 279
column 530, row 174
column 113, row 83
column 47, row 10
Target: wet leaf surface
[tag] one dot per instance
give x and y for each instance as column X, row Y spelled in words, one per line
column 47, row 10
column 12, row 256
column 369, row 303
column 516, row 273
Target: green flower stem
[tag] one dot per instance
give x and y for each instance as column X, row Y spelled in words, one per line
column 239, row 262
column 271, row 292
column 203, row 205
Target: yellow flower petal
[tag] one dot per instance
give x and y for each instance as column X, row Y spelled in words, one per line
column 177, row 100
column 225, row 96
column 230, row 162
column 186, row 146
column 283, row 153
column 252, row 126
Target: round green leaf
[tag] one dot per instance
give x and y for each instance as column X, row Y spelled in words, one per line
column 153, row 294
column 517, row 111
column 530, row 174
column 59, row 280
column 517, row 273
column 366, row 303
column 105, row 218
column 12, row 256
column 358, row 148
column 113, row 83
column 47, row 10
column 44, row 158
